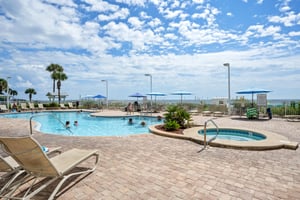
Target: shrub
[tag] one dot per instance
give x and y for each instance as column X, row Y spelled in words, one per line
column 171, row 125
column 176, row 114
column 52, row 104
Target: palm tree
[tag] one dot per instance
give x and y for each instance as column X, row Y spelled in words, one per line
column 30, row 91
column 3, row 85
column 54, row 68
column 60, row 76
column 12, row 92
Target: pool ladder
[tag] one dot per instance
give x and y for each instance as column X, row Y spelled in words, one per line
column 205, row 142
column 54, row 116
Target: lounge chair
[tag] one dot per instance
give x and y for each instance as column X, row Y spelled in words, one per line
column 31, row 106
column 41, row 106
column 24, row 106
column 252, row 113
column 70, row 105
column 3, row 108
column 30, row 156
column 62, row 106
column 12, row 170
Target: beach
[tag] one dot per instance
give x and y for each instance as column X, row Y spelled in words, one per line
column 149, row 166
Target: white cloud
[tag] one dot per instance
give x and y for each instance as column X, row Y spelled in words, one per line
column 133, row 2
column 261, row 31
column 62, row 2
column 100, row 6
column 198, row 1
column 135, row 22
column 154, row 23
column 294, row 33
column 290, row 19
column 119, row 14
column 260, row 1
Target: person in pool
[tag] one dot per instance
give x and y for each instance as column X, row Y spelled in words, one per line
column 75, row 123
column 130, row 121
column 67, row 124
column 143, row 123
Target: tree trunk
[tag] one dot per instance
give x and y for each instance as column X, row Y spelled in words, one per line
column 53, row 86
column 58, row 89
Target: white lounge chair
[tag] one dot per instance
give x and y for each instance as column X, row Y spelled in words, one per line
column 23, row 106
column 62, row 106
column 3, row 108
column 70, row 104
column 40, row 106
column 31, row 106
column 30, row 156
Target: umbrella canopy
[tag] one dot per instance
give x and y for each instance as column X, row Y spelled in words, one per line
column 253, row 91
column 137, row 94
column 156, row 94
column 181, row 93
column 99, row 96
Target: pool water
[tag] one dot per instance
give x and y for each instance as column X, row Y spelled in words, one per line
column 54, row 123
column 233, row 134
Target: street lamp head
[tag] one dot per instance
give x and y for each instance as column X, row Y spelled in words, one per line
column 226, row 64
column 103, row 80
column 147, row 74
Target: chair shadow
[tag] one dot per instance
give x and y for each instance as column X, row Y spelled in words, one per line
column 246, row 119
column 45, row 193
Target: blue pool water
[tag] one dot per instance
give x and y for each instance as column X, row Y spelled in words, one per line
column 87, row 125
column 233, row 134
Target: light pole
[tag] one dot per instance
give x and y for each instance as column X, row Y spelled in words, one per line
column 106, row 83
column 229, row 100
column 7, row 92
column 150, row 89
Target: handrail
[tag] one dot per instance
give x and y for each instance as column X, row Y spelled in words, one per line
column 205, row 142
column 55, row 117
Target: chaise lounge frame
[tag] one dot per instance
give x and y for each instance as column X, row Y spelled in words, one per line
column 30, row 156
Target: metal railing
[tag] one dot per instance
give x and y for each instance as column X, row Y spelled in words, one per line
column 52, row 115
column 205, row 142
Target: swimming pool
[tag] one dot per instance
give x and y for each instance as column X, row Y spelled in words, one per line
column 54, row 123
column 233, row 134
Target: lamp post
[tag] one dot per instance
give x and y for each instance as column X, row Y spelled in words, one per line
column 7, row 92
column 106, row 83
column 229, row 100
column 150, row 89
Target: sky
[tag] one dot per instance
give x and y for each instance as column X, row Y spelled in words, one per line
column 181, row 44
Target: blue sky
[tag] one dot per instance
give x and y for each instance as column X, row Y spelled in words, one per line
column 182, row 44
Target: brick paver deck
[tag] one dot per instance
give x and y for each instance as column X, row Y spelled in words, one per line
column 148, row 166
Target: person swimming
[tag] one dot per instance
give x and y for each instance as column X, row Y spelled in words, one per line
column 130, row 121
column 75, row 123
column 67, row 124
column 143, row 123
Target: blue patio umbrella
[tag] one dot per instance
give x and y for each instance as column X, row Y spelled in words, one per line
column 156, row 94
column 137, row 95
column 99, row 96
column 253, row 91
column 181, row 93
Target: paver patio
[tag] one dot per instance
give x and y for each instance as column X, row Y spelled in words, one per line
column 149, row 166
